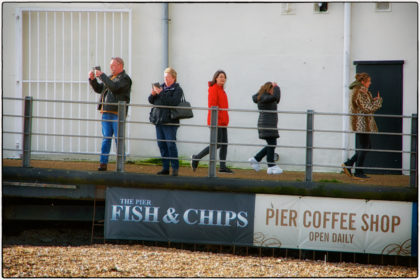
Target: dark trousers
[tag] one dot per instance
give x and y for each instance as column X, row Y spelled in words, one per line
column 222, row 142
column 359, row 156
column 267, row 151
column 168, row 149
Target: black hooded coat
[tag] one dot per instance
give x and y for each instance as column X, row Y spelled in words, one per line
column 267, row 121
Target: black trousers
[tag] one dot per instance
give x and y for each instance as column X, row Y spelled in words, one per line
column 222, row 143
column 359, row 156
column 267, row 151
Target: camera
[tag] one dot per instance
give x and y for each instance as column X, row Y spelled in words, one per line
column 96, row 68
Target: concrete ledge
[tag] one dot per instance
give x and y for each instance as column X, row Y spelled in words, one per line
column 138, row 180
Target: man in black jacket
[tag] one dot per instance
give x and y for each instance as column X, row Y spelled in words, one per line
column 115, row 87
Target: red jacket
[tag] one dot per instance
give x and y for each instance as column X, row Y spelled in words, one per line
column 217, row 97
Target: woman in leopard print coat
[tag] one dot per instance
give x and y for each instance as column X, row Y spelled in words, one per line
column 362, row 102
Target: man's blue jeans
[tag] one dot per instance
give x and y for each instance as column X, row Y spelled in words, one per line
column 168, row 149
column 108, row 130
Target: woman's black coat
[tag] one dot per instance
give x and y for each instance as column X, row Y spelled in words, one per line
column 169, row 96
column 267, row 119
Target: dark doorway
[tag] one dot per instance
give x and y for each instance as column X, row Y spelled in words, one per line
column 387, row 79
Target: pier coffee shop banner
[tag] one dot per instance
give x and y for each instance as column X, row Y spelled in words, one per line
column 314, row 223
column 334, row 224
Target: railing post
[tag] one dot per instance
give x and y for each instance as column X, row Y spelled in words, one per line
column 213, row 142
column 309, row 145
column 413, row 154
column 122, row 108
column 27, row 132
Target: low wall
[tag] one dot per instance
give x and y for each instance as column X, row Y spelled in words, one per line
column 278, row 214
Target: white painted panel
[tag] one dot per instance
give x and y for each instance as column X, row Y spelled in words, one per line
column 60, row 47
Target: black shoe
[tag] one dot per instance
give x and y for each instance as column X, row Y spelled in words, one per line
column 102, row 167
column 163, row 172
column 175, row 172
column 194, row 162
column 361, row 176
column 346, row 170
column 225, row 170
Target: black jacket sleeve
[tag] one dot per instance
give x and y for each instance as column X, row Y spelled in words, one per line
column 277, row 93
column 255, row 98
column 152, row 98
column 97, row 87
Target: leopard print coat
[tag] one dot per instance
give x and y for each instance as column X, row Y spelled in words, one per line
column 362, row 102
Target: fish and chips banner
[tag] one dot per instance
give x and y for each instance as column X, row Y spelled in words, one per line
column 179, row 216
column 278, row 221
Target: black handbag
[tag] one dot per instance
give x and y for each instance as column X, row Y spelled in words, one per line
column 154, row 116
column 182, row 113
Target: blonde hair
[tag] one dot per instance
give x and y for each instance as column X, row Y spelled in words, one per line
column 264, row 88
column 362, row 77
column 171, row 71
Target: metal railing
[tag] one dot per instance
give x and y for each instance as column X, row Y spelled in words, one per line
column 309, row 130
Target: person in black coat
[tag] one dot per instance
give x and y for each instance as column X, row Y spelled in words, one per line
column 167, row 94
column 267, row 99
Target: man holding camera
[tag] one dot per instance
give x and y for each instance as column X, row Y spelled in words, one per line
column 115, row 87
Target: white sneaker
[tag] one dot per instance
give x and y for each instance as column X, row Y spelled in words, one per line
column 274, row 170
column 254, row 164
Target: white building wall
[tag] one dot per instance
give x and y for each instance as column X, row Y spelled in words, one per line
column 253, row 43
column 303, row 52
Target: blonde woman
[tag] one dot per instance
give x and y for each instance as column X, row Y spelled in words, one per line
column 169, row 94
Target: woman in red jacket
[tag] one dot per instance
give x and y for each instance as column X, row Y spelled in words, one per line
column 217, row 97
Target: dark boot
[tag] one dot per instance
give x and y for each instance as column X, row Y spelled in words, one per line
column 360, row 175
column 163, row 172
column 224, row 169
column 102, row 167
column 194, row 162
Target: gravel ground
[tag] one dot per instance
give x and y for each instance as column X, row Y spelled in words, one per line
column 63, row 252
column 140, row 261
